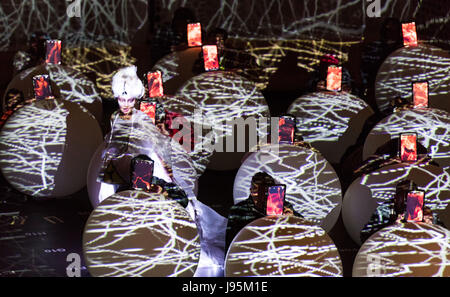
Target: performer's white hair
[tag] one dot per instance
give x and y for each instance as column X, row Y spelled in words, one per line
column 126, row 84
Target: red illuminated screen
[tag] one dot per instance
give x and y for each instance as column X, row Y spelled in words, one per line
column 142, row 174
column 41, row 84
column 414, row 206
column 155, row 86
column 275, row 200
column 408, row 147
column 53, row 53
column 409, row 34
column 334, row 78
column 149, row 109
column 194, row 34
column 210, row 57
column 420, row 94
column 286, row 129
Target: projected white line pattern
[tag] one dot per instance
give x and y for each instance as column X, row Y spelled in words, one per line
column 71, row 85
column 411, row 249
column 431, row 125
column 282, row 246
column 312, row 185
column 99, row 20
column 433, row 180
column 41, row 133
column 223, row 96
column 409, row 64
column 325, row 116
column 134, row 233
column 202, row 152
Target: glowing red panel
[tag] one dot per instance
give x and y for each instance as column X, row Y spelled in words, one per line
column 41, row 84
column 414, row 206
column 155, row 85
column 149, row 109
column 286, row 129
column 420, row 94
column 334, row 78
column 275, row 200
column 408, row 147
column 53, row 54
column 409, row 34
column 194, row 34
column 210, row 58
column 142, row 174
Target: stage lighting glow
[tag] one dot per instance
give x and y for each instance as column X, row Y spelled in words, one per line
column 134, row 233
column 410, row 249
column 282, row 246
column 312, row 185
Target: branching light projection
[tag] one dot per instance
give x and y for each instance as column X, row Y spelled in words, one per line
column 99, row 20
column 45, row 148
column 134, row 233
column 40, row 133
column 312, row 185
column 410, row 64
column 432, row 179
column 282, row 246
column 224, row 96
column 99, row 63
column 326, row 117
column 191, row 111
column 70, row 84
column 410, row 249
column 431, row 125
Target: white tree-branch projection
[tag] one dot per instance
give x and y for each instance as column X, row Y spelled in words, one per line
column 282, row 246
column 312, row 185
column 330, row 121
column 135, row 233
column 410, row 64
column 375, row 192
column 98, row 21
column 66, row 83
column 224, row 97
column 431, row 125
column 410, row 249
column 45, row 147
column 99, row 62
column 269, row 29
column 193, row 115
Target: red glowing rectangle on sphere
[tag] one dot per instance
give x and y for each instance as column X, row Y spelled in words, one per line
column 286, row 130
column 275, row 200
column 149, row 109
column 414, row 206
column 53, row 52
column 194, row 34
column 420, row 94
column 155, row 85
column 41, row 85
column 408, row 147
column 210, row 58
column 409, row 34
column 334, row 78
column 142, row 174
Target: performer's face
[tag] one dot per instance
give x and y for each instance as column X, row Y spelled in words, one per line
column 126, row 105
